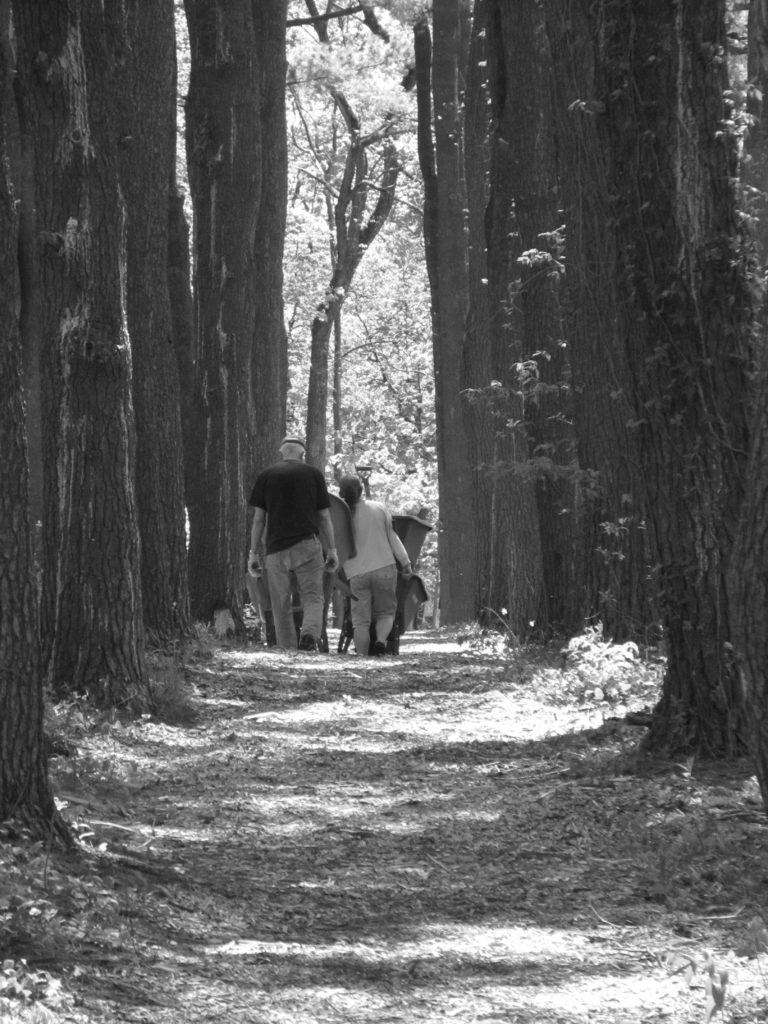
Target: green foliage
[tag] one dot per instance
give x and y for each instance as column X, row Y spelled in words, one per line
column 608, row 672
column 387, row 387
column 22, row 990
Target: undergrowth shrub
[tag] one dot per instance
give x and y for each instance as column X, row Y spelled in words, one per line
column 599, row 669
column 171, row 693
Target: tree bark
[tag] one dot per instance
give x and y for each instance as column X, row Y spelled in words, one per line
column 21, row 161
column 748, row 573
column 183, row 329
column 439, row 89
column 224, row 158
column 755, row 167
column 93, row 629
column 147, row 99
column 612, row 574
column 687, row 314
column 26, row 798
column 269, row 352
column 522, row 204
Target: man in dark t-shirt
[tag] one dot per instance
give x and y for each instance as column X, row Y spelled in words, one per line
column 291, row 501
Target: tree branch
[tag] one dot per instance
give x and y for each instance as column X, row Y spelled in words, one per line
column 318, row 18
column 320, row 21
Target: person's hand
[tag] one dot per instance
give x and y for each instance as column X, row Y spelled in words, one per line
column 406, row 571
column 331, row 560
column 254, row 566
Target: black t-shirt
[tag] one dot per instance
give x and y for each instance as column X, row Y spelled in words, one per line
column 291, row 493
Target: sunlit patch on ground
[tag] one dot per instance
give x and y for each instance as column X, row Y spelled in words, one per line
column 463, row 833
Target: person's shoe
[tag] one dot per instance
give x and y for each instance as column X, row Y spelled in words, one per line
column 379, row 649
column 307, row 643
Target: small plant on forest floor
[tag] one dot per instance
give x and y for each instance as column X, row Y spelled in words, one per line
column 684, row 853
column 715, row 979
column 610, row 671
column 171, row 693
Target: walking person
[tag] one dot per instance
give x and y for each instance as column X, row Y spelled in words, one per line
column 372, row 572
column 292, row 511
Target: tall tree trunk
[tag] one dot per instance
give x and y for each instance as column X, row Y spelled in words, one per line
column 148, row 123
column 687, row 313
column 522, row 203
column 525, row 155
column 612, row 575
column 755, row 168
column 26, row 798
column 338, row 377
column 92, row 592
column 480, row 407
column 440, row 86
column 269, row 352
column 183, row 328
column 21, row 158
column 748, row 575
column 748, row 586
column 224, row 158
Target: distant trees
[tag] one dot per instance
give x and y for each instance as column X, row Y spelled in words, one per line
column 357, row 307
column 356, row 221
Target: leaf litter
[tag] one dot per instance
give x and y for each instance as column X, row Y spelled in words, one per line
column 462, row 833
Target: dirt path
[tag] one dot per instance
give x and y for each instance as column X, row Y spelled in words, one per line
column 446, row 836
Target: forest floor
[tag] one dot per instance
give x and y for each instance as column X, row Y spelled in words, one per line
column 463, row 833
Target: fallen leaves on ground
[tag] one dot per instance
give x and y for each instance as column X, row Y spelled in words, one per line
column 462, row 833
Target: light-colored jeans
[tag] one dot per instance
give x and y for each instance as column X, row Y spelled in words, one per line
column 376, row 594
column 306, row 560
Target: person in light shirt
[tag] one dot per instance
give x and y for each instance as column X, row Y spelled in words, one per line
column 372, row 572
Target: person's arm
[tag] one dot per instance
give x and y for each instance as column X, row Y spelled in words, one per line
column 328, row 539
column 257, row 531
column 398, row 549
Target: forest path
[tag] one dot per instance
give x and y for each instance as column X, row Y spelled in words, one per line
column 450, row 835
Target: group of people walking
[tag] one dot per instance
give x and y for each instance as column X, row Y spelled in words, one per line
column 292, row 518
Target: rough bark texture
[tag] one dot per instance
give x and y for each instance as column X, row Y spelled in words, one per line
column 236, row 160
column 93, row 628
column 21, row 157
column 26, row 798
column 612, row 576
column 183, row 328
column 480, row 412
column 145, row 57
column 522, row 203
column 269, row 352
column 755, row 168
column 748, row 588
column 683, row 281
column 439, row 86
column 748, row 576
column 224, row 146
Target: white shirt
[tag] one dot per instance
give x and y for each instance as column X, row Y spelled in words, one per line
column 376, row 542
